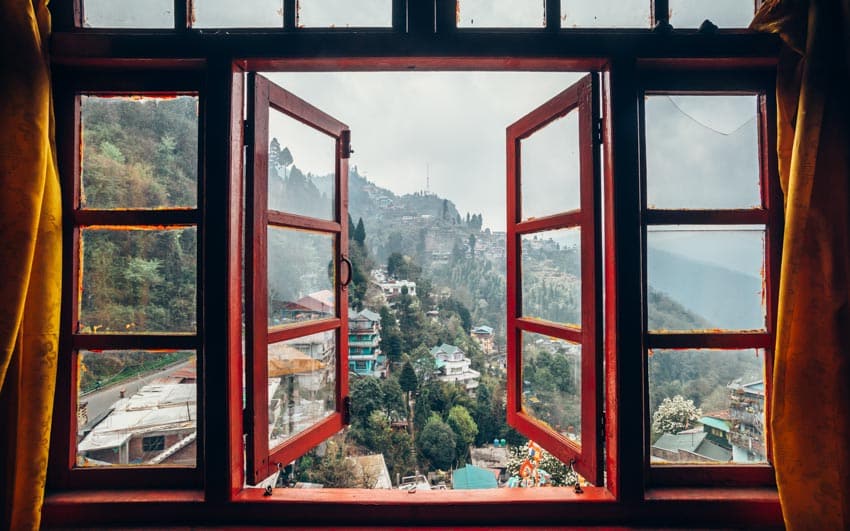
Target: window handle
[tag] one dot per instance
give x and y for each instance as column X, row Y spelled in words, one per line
column 350, row 268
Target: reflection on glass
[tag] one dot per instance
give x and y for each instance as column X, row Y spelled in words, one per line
column 302, row 275
column 501, row 13
column 302, row 384
column 706, row 277
column 138, row 280
column 139, row 152
column 551, row 275
column 244, row 14
column 606, row 14
column 551, row 383
column 344, row 13
column 723, row 13
column 128, row 14
column 707, row 406
column 302, row 168
column 550, row 169
column 702, row 152
column 136, row 407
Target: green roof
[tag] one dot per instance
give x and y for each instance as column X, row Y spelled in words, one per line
column 714, row 423
column 473, row 477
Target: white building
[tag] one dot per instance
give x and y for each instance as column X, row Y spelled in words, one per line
column 393, row 288
column 454, row 366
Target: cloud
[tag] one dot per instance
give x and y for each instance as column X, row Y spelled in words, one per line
column 451, row 125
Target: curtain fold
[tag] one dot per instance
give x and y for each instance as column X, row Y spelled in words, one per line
column 30, row 261
column 810, row 419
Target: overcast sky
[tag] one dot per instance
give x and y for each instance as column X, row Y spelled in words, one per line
column 451, row 125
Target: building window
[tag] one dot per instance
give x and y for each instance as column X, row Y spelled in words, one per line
column 153, row 444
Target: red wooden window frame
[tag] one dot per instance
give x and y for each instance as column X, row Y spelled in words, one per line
column 582, row 97
column 263, row 95
column 769, row 215
column 63, row 470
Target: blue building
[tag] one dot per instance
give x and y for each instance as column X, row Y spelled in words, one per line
column 364, row 337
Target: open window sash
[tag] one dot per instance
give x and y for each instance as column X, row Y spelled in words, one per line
column 297, row 270
column 551, row 199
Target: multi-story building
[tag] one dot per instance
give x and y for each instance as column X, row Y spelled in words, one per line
column 746, row 411
column 364, row 337
column 453, row 366
column 484, row 335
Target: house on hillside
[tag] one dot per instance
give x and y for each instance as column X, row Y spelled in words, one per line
column 689, row 446
column 746, row 411
column 394, row 288
column 717, row 425
column 364, row 338
column 453, row 366
column 314, row 305
column 484, row 335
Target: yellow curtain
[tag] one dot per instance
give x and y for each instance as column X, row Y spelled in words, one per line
column 30, row 261
column 811, row 398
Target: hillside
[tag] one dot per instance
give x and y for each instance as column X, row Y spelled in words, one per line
column 723, row 298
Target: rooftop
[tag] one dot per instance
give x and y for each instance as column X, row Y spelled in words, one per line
column 155, row 407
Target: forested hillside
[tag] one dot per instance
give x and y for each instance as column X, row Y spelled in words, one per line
column 137, row 153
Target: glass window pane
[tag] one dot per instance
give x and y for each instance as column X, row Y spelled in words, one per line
column 139, row 152
column 707, row 406
column 723, row 13
column 128, row 14
column 241, row 14
column 704, row 277
column 501, row 13
column 551, row 383
column 606, row 14
column 302, row 384
column 345, row 13
column 138, row 280
column 551, row 275
column 550, row 169
column 302, row 276
column 302, row 168
column 702, row 152
column 136, row 407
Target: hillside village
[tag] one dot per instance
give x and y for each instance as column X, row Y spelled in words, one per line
column 426, row 345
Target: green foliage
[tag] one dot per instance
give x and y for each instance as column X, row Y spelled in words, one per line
column 437, row 443
column 332, row 469
column 366, row 397
column 393, row 399
column 403, row 267
column 407, row 379
column 359, row 234
column 453, row 305
column 465, row 429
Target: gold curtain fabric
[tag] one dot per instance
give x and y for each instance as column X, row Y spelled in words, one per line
column 30, row 261
column 811, row 379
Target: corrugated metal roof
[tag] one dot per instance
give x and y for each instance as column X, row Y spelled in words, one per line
column 473, row 477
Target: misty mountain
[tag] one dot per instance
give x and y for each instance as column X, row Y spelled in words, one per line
column 724, row 298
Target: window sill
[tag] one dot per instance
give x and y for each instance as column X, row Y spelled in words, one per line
column 752, row 507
